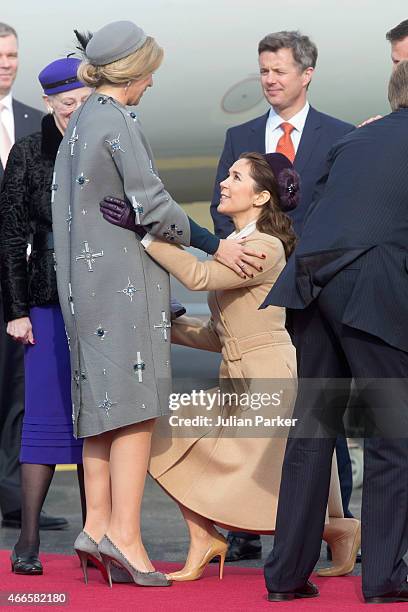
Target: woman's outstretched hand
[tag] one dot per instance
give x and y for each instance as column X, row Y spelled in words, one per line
column 21, row 330
column 238, row 257
column 118, row 212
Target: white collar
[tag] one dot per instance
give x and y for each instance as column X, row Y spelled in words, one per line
column 298, row 121
column 248, row 229
column 7, row 101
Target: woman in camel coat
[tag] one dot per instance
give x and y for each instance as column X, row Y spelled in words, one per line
column 224, row 471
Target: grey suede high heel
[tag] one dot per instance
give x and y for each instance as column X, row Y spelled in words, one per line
column 111, row 553
column 87, row 548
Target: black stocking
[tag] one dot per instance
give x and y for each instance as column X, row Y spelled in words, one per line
column 81, row 482
column 35, row 482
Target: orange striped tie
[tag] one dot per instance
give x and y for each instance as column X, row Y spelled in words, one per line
column 285, row 144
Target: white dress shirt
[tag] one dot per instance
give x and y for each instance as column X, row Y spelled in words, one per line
column 7, row 116
column 273, row 130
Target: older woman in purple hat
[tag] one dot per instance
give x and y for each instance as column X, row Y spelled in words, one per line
column 31, row 307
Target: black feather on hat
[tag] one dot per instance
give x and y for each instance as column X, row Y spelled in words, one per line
column 83, row 39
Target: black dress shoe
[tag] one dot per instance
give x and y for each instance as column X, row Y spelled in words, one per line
column 243, row 548
column 307, row 590
column 392, row 597
column 47, row 523
column 28, row 564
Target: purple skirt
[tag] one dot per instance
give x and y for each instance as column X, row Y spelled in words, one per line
column 47, row 427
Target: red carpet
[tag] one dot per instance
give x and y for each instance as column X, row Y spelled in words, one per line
column 241, row 590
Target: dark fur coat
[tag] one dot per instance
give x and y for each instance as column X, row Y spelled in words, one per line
column 25, row 212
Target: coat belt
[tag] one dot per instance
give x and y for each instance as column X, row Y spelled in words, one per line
column 234, row 348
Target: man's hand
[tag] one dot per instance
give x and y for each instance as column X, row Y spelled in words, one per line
column 21, row 330
column 370, row 120
column 235, row 255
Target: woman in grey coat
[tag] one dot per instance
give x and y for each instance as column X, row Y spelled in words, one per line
column 114, row 298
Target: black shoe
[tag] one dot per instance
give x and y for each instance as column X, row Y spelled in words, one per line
column 391, row 597
column 29, row 564
column 307, row 590
column 243, row 548
column 47, row 523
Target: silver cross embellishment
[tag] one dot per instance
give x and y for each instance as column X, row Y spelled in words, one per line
column 114, row 145
column 88, row 256
column 129, row 290
column 152, row 170
column 100, row 332
column 164, row 325
column 72, row 141
column 139, row 366
column 138, row 208
column 71, row 299
column 79, row 376
column 82, row 180
column 54, row 187
column 107, row 404
column 172, row 231
column 69, row 218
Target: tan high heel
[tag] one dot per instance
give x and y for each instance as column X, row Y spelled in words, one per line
column 343, row 535
column 218, row 548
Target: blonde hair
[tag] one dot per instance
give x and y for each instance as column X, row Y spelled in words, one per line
column 398, row 87
column 134, row 67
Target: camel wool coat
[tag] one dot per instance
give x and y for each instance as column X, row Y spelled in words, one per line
column 230, row 472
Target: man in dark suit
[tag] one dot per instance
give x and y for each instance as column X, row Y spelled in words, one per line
column 346, row 286
column 16, row 120
column 287, row 61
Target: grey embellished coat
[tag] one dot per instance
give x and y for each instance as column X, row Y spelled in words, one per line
column 114, row 297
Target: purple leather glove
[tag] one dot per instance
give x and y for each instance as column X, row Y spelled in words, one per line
column 176, row 308
column 120, row 213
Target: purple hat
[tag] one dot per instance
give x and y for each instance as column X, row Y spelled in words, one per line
column 287, row 178
column 60, row 75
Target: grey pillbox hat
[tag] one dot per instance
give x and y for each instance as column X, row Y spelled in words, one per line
column 114, row 42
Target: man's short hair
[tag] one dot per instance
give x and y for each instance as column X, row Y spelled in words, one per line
column 398, row 33
column 398, row 87
column 303, row 49
column 6, row 30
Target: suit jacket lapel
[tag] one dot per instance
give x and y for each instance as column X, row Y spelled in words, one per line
column 309, row 140
column 18, row 120
column 256, row 141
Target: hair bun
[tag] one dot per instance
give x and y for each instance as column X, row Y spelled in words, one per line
column 289, row 189
column 287, row 178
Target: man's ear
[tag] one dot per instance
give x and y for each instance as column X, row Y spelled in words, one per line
column 307, row 75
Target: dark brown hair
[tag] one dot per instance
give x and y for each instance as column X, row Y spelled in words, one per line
column 272, row 220
column 399, row 32
column 398, row 86
column 303, row 49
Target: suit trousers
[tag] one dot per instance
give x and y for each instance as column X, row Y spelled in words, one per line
column 330, row 350
column 11, row 418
